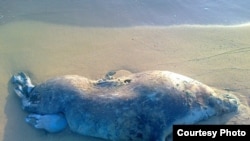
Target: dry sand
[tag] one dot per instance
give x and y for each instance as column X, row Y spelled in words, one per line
column 218, row 56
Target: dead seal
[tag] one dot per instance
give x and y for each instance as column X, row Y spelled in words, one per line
column 138, row 107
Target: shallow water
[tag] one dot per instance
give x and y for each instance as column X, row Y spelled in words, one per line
column 120, row 13
column 55, row 41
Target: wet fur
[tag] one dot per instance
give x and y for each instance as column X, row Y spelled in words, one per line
column 141, row 106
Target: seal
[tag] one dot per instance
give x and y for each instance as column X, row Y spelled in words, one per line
column 138, row 107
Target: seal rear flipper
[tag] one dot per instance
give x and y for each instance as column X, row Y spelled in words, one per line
column 50, row 122
column 23, row 81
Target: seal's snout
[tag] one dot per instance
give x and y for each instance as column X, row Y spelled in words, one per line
column 230, row 102
column 225, row 103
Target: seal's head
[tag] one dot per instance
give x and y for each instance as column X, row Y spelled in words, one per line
column 224, row 103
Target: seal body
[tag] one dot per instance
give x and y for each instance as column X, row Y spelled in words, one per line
column 138, row 107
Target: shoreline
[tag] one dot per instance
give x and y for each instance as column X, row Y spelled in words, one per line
column 217, row 56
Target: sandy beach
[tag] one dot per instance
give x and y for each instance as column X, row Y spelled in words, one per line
column 218, row 56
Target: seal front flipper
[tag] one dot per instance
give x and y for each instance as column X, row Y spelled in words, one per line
column 50, row 122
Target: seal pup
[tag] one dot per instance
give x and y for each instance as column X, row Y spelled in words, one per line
column 138, row 107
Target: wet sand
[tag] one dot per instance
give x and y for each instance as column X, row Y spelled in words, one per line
column 215, row 55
